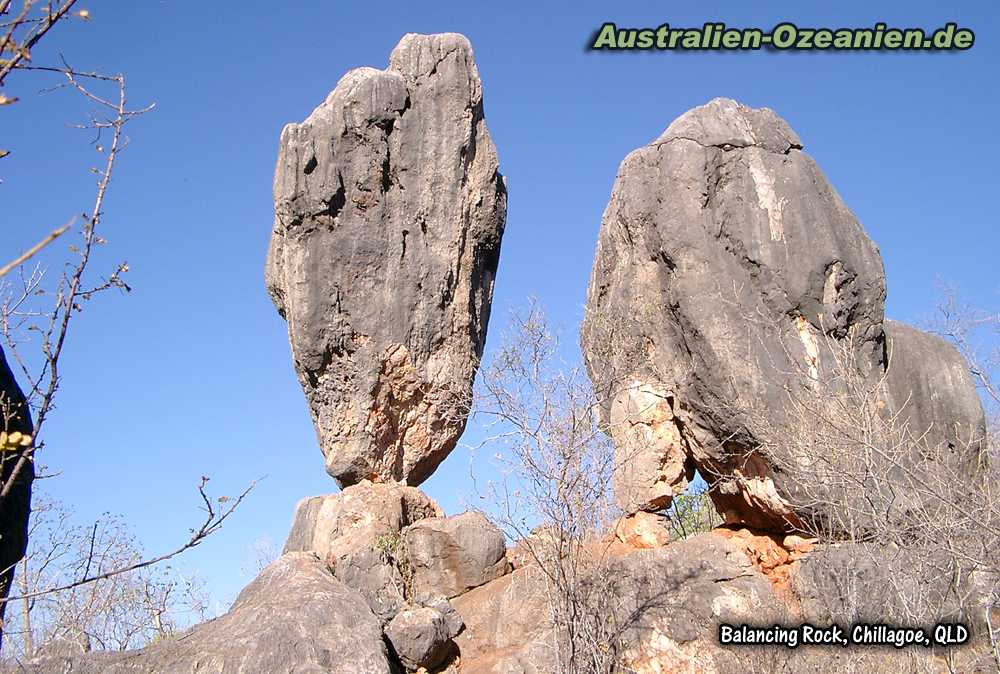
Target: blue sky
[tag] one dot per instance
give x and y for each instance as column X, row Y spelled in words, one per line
column 190, row 374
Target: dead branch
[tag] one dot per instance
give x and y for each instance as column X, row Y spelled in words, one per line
column 212, row 523
column 28, row 254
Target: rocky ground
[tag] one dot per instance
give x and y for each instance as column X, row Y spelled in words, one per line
column 375, row 579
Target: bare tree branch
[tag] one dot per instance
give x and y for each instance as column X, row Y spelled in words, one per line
column 28, row 254
column 212, row 523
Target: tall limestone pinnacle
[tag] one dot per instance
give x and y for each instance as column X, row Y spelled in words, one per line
column 389, row 212
column 729, row 270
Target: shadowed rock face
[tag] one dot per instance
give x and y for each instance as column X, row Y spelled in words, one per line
column 931, row 383
column 389, row 211
column 727, row 264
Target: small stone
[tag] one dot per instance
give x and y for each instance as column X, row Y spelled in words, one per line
column 420, row 636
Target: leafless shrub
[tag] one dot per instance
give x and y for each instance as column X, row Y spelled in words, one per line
column 555, row 493
column 556, row 454
column 911, row 523
column 976, row 334
column 260, row 553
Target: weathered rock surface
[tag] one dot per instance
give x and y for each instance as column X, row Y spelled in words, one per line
column 930, row 384
column 643, row 530
column 870, row 582
column 677, row 595
column 671, row 597
column 16, row 506
column 670, row 600
column 421, row 636
column 506, row 625
column 725, row 267
column 357, row 533
column 389, row 211
column 451, row 555
column 294, row 618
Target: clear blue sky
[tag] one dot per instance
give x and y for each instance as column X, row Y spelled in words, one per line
column 190, row 374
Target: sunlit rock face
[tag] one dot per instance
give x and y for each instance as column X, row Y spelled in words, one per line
column 389, row 212
column 729, row 273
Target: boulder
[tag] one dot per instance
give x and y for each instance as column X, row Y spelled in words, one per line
column 729, row 273
column 389, row 211
column 295, row 617
column 17, row 430
column 668, row 601
column 422, row 636
column 930, row 385
column 357, row 533
column 451, row 555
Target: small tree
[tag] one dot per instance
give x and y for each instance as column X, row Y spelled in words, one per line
column 37, row 311
column 116, row 612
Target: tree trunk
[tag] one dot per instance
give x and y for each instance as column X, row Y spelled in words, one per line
column 28, row 638
column 15, row 508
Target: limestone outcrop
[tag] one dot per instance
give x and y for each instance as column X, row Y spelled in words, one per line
column 389, row 212
column 728, row 270
column 295, row 617
column 669, row 601
column 729, row 275
column 357, row 532
column 451, row 555
column 666, row 599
